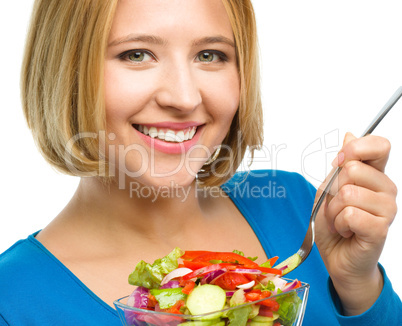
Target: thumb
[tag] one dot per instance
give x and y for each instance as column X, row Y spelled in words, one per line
column 341, row 156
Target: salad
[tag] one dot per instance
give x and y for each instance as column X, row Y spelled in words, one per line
column 206, row 282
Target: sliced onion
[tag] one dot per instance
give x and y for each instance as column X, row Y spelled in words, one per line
column 283, row 268
column 230, row 293
column 267, row 277
column 138, row 298
column 291, row 286
column 170, row 285
column 178, row 272
column 246, row 286
column 224, row 270
column 212, row 276
column 247, row 271
column 279, row 283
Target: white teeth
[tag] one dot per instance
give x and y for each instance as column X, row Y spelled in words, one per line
column 170, row 135
column 180, row 136
column 161, row 135
column 153, row 132
column 192, row 133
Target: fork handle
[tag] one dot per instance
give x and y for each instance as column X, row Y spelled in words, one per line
column 383, row 112
column 387, row 107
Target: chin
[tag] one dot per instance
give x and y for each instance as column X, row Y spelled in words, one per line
column 178, row 179
column 157, row 180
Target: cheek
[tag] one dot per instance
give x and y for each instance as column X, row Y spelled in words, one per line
column 223, row 97
column 126, row 92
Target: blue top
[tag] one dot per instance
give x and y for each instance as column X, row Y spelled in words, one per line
column 37, row 289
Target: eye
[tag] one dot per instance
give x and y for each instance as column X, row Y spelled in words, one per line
column 137, row 56
column 211, row 56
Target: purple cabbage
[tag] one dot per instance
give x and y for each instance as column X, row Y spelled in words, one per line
column 139, row 298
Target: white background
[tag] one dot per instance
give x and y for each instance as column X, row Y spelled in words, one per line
column 328, row 67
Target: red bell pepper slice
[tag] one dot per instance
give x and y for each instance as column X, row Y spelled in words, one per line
column 269, row 270
column 271, row 304
column 273, row 260
column 188, row 287
column 195, row 265
column 227, row 257
column 191, row 254
column 152, row 302
column 175, row 309
column 257, row 294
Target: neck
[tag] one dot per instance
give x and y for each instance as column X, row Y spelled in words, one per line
column 137, row 211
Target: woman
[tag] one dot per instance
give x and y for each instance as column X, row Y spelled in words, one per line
column 153, row 103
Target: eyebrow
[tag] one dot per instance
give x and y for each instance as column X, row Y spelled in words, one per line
column 160, row 41
column 214, row 39
column 138, row 38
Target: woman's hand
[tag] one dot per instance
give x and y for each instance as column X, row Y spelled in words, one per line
column 353, row 223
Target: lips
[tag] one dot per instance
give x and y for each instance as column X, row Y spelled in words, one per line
column 167, row 134
column 171, row 138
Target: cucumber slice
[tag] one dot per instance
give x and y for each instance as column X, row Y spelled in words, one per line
column 256, row 323
column 265, row 319
column 292, row 262
column 206, row 298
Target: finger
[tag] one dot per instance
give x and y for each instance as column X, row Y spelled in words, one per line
column 370, row 228
column 373, row 150
column 366, row 176
column 378, row 204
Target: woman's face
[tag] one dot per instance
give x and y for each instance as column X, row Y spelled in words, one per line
column 172, row 88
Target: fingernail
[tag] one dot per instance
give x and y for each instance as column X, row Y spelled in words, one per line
column 338, row 160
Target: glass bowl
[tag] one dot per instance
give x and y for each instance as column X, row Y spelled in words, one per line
column 294, row 302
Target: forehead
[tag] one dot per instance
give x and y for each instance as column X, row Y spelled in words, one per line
column 171, row 17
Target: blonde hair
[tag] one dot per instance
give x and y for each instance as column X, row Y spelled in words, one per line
column 246, row 130
column 62, row 80
column 63, row 93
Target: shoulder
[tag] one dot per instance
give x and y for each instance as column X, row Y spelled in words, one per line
column 14, row 258
column 19, row 257
column 22, row 267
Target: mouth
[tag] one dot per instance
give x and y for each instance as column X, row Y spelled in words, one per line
column 166, row 134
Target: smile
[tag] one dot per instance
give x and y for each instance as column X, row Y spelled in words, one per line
column 166, row 134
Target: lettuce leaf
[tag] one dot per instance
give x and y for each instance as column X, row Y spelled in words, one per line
column 266, row 264
column 168, row 297
column 239, row 316
column 237, row 298
column 150, row 276
column 241, row 253
column 289, row 306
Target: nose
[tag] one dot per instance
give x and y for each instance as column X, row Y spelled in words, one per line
column 179, row 89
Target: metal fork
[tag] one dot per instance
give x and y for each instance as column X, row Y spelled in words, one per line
column 295, row 260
